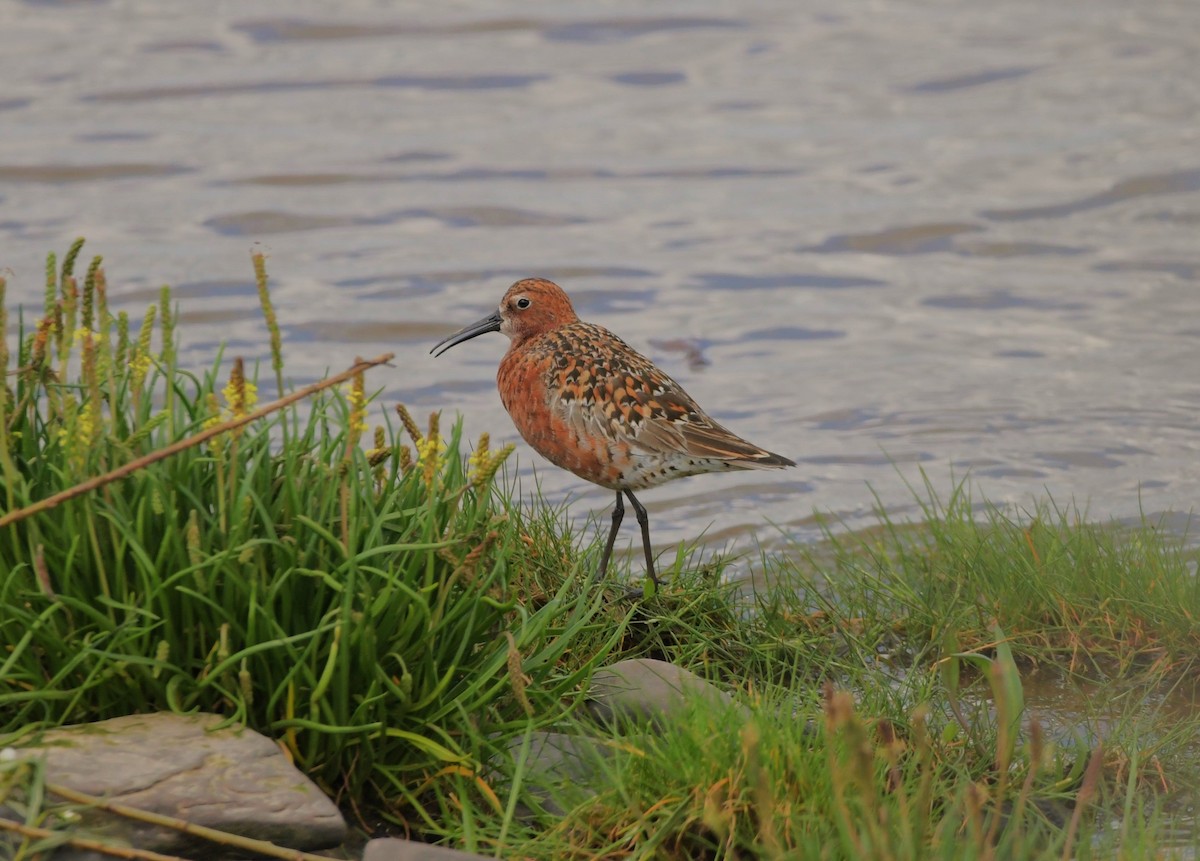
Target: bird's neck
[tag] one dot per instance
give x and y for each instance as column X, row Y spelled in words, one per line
column 526, row 339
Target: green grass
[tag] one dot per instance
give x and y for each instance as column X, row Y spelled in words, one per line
column 381, row 602
column 887, row 717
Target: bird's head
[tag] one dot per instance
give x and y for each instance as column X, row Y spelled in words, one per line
column 529, row 308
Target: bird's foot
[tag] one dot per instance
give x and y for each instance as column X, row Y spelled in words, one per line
column 652, row 587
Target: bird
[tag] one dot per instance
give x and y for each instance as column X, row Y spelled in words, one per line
column 591, row 404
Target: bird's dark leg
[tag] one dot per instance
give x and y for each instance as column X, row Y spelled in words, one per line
column 618, row 513
column 643, row 520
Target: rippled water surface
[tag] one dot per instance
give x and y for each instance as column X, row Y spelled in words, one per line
column 875, row 237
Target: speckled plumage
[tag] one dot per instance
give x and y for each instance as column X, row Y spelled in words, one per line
column 590, row 403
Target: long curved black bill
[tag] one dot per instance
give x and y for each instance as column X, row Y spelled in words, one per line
column 487, row 324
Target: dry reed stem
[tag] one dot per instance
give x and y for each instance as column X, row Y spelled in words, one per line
column 87, row 843
column 1087, row 792
column 261, row 847
column 184, row 444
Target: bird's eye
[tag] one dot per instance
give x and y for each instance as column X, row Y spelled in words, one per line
column 523, row 303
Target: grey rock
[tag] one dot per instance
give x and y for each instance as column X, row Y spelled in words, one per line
column 560, row 769
column 231, row 779
column 393, row 849
column 561, row 756
column 646, row 691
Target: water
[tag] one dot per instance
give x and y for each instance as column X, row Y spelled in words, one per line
column 875, row 237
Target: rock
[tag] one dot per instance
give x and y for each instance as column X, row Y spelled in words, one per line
column 231, row 779
column 642, row 690
column 561, row 756
column 563, row 769
column 560, row 769
column 393, row 849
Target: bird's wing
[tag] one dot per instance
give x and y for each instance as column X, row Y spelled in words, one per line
column 687, row 429
column 606, row 389
column 603, row 388
column 661, row 418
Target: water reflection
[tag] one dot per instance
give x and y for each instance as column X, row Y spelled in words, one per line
column 1179, row 182
column 600, row 30
column 55, row 174
column 974, row 79
column 264, row 87
column 912, row 239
